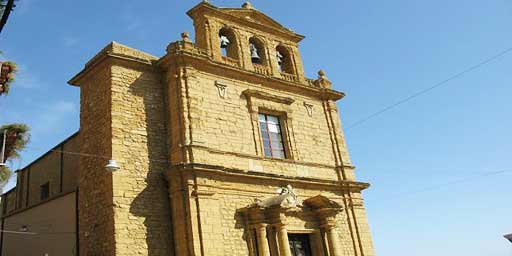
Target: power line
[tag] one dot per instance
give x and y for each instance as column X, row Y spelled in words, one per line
column 453, row 182
column 17, row 232
column 421, row 92
column 361, row 121
column 357, row 123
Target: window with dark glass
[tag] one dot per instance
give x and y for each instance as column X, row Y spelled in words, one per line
column 270, row 128
column 299, row 244
column 45, row 191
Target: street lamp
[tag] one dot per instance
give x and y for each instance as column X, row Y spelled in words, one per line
column 5, row 10
column 112, row 166
column 508, row 237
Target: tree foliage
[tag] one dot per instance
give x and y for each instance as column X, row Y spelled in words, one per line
column 7, row 71
column 17, row 136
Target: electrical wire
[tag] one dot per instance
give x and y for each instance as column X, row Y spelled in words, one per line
column 360, row 121
column 423, row 91
column 450, row 183
column 367, row 118
column 434, row 187
column 89, row 155
column 17, row 232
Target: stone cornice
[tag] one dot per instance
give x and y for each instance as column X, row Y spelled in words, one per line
column 188, row 53
column 352, row 186
column 117, row 51
column 256, row 157
column 267, row 96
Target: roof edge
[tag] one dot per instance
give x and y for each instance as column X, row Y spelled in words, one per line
column 113, row 49
column 49, row 151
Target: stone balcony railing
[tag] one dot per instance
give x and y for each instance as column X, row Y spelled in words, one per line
column 189, row 47
column 261, row 69
column 230, row 61
column 289, row 77
column 311, row 82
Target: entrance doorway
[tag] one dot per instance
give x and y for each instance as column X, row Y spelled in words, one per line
column 299, row 244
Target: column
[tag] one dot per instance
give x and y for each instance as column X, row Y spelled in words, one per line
column 282, row 240
column 261, row 239
column 332, row 239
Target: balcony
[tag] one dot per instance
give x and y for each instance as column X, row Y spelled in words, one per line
column 289, row 77
column 230, row 61
column 261, row 69
column 310, row 82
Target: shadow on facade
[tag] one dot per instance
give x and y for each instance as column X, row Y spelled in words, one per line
column 152, row 203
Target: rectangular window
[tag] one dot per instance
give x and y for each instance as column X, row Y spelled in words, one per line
column 299, row 244
column 45, row 191
column 272, row 137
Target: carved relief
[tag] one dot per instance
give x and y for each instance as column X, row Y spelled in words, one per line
column 309, row 108
column 222, row 89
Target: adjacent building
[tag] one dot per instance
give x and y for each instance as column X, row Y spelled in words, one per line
column 224, row 148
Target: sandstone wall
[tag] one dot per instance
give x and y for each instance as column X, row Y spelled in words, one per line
column 141, row 204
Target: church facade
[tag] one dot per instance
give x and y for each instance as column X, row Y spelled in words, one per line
column 224, row 147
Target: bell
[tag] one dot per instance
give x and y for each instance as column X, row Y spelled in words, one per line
column 254, row 53
column 224, row 42
column 279, row 57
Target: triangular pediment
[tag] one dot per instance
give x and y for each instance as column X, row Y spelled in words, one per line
column 245, row 16
column 254, row 16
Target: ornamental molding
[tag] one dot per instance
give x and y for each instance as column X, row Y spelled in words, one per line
column 309, row 109
column 222, row 89
column 249, row 93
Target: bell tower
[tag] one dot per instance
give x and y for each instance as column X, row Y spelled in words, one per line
column 248, row 39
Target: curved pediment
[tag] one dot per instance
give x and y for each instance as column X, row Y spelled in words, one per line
column 321, row 202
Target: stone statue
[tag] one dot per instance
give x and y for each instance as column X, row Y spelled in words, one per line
column 286, row 198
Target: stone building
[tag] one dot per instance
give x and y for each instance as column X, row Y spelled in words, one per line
column 224, row 148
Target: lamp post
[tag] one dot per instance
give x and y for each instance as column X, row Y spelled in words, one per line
column 2, row 157
column 508, row 237
column 112, row 166
column 5, row 10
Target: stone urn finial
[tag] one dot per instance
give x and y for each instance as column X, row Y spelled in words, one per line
column 185, row 36
column 247, row 5
column 322, row 81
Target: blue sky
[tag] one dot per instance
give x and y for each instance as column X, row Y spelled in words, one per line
column 432, row 161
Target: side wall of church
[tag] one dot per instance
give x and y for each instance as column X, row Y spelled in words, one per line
column 96, row 222
column 141, row 204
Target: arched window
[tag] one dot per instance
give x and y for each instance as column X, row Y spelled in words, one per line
column 228, row 45
column 257, row 50
column 284, row 60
